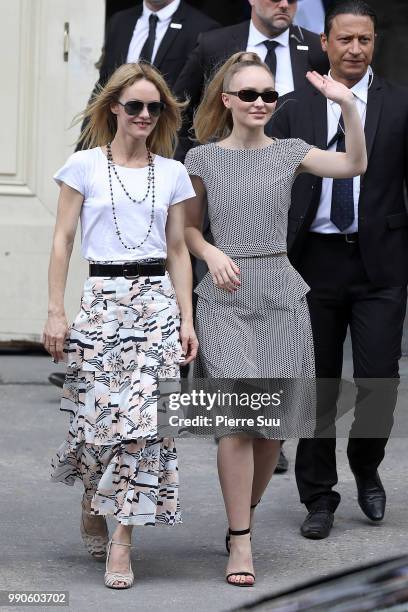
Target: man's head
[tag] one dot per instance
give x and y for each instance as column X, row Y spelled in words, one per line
column 156, row 5
column 272, row 17
column 349, row 37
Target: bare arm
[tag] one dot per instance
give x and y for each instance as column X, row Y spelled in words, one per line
column 222, row 268
column 334, row 164
column 196, row 243
column 56, row 326
column 179, row 267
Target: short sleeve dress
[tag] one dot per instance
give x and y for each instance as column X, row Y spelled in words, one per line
column 262, row 330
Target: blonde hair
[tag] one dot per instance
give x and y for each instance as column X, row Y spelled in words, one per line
column 101, row 122
column 212, row 120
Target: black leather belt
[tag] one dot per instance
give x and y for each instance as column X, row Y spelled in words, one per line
column 349, row 238
column 155, row 267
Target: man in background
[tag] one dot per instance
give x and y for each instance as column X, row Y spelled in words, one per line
column 349, row 240
column 163, row 32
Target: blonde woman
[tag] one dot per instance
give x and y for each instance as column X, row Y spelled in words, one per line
column 127, row 335
column 252, row 315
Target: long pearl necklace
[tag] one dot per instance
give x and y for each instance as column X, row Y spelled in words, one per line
column 150, row 186
column 150, row 174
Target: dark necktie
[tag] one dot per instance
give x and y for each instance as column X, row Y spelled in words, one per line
column 270, row 59
column 342, row 204
column 147, row 50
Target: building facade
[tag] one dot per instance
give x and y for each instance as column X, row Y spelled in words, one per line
column 48, row 54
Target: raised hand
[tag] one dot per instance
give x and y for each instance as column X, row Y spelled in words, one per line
column 333, row 90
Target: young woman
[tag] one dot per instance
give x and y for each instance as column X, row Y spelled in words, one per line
column 127, row 335
column 252, row 316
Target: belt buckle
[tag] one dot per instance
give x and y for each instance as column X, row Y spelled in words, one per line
column 348, row 240
column 125, row 271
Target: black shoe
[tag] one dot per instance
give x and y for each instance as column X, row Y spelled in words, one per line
column 228, row 537
column 371, row 496
column 227, row 578
column 282, row 465
column 317, row 524
column 57, row 379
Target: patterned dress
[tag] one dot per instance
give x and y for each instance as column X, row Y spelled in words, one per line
column 262, row 330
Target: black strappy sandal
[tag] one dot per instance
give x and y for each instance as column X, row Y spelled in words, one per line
column 227, row 536
column 239, row 584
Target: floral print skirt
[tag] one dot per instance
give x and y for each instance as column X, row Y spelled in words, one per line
column 122, row 343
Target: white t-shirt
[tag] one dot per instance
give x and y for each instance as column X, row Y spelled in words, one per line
column 87, row 172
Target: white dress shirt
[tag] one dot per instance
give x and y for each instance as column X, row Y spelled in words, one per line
column 141, row 30
column 284, row 74
column 310, row 15
column 322, row 223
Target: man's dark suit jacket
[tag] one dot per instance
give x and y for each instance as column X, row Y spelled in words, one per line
column 174, row 49
column 226, row 12
column 213, row 48
column 382, row 218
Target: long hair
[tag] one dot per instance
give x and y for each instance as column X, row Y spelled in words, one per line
column 212, row 120
column 101, row 123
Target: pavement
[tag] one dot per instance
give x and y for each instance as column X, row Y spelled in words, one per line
column 178, row 568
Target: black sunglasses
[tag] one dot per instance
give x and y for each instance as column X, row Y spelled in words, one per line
column 250, row 95
column 135, row 107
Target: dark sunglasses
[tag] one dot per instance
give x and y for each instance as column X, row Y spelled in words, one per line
column 135, row 107
column 250, row 95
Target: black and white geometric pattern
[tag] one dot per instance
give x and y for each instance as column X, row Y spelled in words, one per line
column 263, row 329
